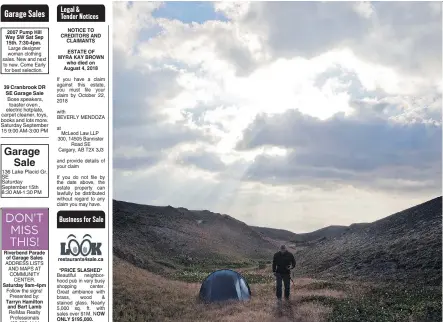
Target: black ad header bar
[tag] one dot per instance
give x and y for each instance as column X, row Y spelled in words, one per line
column 25, row 13
column 81, row 13
column 80, row 219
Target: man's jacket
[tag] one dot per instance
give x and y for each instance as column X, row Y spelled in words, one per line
column 282, row 262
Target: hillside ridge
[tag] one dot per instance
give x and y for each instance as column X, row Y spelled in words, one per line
column 297, row 236
column 404, row 245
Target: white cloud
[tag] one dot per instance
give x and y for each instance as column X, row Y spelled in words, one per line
column 129, row 20
column 364, row 8
column 306, row 87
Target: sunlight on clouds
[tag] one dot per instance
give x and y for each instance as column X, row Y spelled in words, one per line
column 275, row 151
column 221, row 76
column 372, row 76
column 364, row 8
column 275, row 88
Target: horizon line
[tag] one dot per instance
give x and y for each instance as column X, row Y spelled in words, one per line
column 344, row 226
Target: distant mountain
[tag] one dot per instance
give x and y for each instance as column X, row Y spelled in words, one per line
column 306, row 238
column 403, row 246
column 276, row 234
column 327, row 232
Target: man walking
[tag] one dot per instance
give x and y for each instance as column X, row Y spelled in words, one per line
column 282, row 264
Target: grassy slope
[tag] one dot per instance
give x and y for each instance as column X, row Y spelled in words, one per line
column 156, row 238
column 406, row 246
column 143, row 296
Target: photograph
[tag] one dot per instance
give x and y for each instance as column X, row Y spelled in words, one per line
column 276, row 161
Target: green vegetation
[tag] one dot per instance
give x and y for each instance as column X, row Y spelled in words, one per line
column 198, row 274
column 189, row 276
column 257, row 278
column 387, row 303
column 165, row 263
column 327, row 285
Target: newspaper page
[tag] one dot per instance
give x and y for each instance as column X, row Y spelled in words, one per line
column 55, row 145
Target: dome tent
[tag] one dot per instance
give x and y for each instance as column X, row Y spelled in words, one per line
column 223, row 285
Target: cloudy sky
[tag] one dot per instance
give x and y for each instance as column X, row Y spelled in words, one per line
column 287, row 115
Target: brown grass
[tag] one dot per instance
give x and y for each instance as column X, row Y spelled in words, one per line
column 142, row 296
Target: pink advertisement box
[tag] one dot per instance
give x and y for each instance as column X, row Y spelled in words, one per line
column 25, row 228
